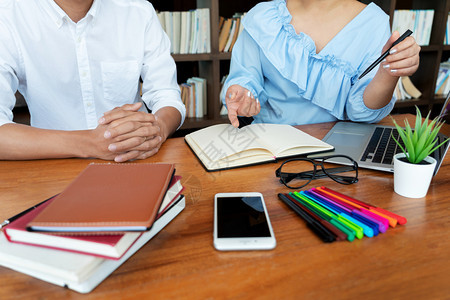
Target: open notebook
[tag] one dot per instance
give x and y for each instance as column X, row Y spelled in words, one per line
column 222, row 146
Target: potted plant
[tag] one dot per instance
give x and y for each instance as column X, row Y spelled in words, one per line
column 414, row 168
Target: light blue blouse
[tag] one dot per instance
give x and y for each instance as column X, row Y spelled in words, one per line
column 294, row 84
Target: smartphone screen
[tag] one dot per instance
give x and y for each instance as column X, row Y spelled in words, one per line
column 241, row 217
column 241, row 222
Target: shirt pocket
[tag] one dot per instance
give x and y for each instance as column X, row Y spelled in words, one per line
column 120, row 81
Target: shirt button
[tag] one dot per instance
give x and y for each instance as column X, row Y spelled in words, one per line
column 84, row 74
column 79, row 39
column 89, row 104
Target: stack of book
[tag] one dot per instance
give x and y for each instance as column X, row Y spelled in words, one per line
column 80, row 236
column 443, row 82
column 419, row 21
column 194, row 96
column 405, row 89
column 229, row 30
column 188, row 31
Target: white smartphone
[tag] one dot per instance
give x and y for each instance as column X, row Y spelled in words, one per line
column 241, row 222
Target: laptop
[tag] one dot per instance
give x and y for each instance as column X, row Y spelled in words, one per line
column 372, row 145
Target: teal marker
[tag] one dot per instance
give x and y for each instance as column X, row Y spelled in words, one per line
column 348, row 231
column 337, row 211
column 358, row 229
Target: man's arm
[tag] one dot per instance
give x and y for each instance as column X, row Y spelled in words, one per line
column 21, row 142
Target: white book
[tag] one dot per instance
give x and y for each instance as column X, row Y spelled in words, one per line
column 161, row 20
column 184, row 29
column 428, row 26
column 168, row 27
column 241, row 24
column 194, row 32
column 207, row 26
column 195, row 94
column 188, row 32
column 204, row 44
column 404, row 94
column 230, row 36
column 81, row 273
column 176, row 30
column 200, row 95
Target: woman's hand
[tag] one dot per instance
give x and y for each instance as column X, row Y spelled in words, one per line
column 240, row 102
column 403, row 58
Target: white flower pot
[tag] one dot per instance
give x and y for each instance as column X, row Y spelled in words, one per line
column 412, row 180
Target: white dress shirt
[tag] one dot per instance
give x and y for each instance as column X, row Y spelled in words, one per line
column 71, row 73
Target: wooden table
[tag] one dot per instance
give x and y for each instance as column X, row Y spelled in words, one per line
column 406, row 262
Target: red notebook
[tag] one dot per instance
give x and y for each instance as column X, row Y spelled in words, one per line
column 108, row 198
column 107, row 246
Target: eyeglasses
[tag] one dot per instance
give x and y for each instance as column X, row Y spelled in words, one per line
column 290, row 176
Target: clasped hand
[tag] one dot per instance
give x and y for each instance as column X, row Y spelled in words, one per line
column 125, row 133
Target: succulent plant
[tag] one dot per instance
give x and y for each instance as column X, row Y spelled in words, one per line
column 420, row 141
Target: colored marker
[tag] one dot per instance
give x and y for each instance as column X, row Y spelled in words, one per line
column 346, row 213
column 322, row 232
column 334, row 208
column 347, row 231
column 401, row 220
column 363, row 213
column 358, row 230
column 380, row 217
column 340, row 236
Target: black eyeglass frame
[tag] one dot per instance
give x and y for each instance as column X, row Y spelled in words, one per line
column 308, row 176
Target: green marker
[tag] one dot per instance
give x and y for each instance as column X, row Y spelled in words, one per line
column 348, row 231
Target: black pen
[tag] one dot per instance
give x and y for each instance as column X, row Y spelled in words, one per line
column 6, row 222
column 315, row 226
column 383, row 56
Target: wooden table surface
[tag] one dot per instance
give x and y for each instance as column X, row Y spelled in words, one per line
column 407, row 262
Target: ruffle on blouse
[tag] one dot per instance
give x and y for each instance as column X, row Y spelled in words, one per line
column 284, row 48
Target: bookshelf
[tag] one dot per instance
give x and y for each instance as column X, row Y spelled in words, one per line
column 214, row 65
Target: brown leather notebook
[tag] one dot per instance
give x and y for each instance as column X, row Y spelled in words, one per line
column 108, row 198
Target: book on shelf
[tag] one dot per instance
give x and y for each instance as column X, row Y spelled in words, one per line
column 194, row 96
column 420, row 21
column 168, row 27
column 229, row 30
column 79, row 272
column 185, row 32
column 443, row 82
column 230, row 35
column 447, row 31
column 108, row 197
column 223, row 108
column 111, row 246
column 222, row 146
column 224, row 33
column 405, row 89
column 188, row 31
column 176, row 31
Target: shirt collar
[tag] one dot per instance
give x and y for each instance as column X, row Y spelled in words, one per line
column 58, row 15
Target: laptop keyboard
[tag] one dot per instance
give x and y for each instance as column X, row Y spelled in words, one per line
column 382, row 147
